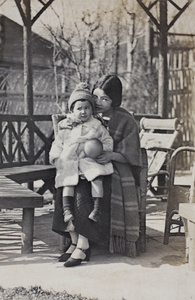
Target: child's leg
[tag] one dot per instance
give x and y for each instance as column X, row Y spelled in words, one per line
column 97, row 194
column 67, row 202
column 97, row 188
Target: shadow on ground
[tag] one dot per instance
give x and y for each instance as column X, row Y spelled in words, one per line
column 46, row 242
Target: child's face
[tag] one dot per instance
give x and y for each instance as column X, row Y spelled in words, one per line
column 82, row 110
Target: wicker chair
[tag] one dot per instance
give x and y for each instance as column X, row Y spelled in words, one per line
column 157, row 137
column 141, row 243
column 178, row 192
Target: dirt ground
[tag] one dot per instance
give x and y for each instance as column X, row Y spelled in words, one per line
column 159, row 273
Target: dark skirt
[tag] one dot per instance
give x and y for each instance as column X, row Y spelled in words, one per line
column 96, row 232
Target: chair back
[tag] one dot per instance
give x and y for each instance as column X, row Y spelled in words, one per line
column 157, row 137
column 56, row 119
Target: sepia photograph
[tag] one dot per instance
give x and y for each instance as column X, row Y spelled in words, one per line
column 97, row 149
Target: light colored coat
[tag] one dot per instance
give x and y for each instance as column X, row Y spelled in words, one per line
column 68, row 156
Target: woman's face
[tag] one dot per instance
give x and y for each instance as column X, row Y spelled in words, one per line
column 102, row 102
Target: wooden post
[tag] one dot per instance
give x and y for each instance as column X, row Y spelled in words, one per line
column 28, row 82
column 27, row 230
column 117, row 45
column 163, row 72
column 193, row 101
column 191, row 238
column 192, row 190
column 131, row 43
column 28, row 78
column 191, row 245
column 148, row 38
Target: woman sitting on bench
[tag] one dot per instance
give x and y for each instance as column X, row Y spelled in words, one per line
column 118, row 229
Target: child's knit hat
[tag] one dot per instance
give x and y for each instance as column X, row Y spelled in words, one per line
column 81, row 92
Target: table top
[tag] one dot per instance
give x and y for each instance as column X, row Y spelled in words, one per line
column 14, row 195
column 29, row 173
column 10, row 188
column 24, row 169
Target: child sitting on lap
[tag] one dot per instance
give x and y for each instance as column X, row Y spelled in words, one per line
column 80, row 139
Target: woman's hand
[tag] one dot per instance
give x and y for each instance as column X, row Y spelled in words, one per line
column 108, row 156
column 105, row 157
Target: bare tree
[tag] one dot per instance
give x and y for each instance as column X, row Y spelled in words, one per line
column 83, row 51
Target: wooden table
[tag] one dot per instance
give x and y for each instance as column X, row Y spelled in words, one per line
column 15, row 195
column 30, row 173
column 187, row 211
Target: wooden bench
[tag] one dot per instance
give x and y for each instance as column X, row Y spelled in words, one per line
column 14, row 195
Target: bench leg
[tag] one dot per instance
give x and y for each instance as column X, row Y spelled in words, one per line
column 192, row 245
column 27, row 230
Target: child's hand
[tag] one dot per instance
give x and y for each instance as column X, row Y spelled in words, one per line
column 58, row 163
column 70, row 122
column 65, row 124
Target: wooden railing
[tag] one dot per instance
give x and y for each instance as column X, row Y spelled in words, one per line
column 25, row 140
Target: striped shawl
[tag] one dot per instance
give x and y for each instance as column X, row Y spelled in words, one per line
column 124, row 198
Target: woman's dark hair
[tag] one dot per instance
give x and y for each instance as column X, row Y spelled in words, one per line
column 112, row 86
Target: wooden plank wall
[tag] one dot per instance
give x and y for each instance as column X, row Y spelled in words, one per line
column 180, row 95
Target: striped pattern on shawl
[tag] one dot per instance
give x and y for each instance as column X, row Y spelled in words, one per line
column 124, row 198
